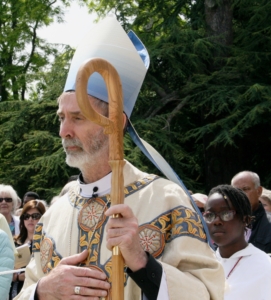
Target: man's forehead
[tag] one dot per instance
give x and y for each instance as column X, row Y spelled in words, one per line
column 243, row 179
column 68, row 102
column 71, row 97
column 66, row 96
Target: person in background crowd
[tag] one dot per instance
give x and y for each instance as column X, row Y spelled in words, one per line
column 247, row 269
column 72, row 178
column 265, row 199
column 31, row 213
column 30, row 196
column 260, row 233
column 200, row 200
column 18, row 211
column 44, row 203
column 6, row 264
column 66, row 187
column 158, row 220
column 8, row 205
column 5, row 227
column 71, row 183
column 19, row 203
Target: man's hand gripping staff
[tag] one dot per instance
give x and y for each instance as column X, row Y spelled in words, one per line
column 113, row 125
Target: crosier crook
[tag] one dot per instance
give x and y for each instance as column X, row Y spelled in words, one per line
column 113, row 126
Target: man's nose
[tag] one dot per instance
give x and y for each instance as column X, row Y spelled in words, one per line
column 66, row 129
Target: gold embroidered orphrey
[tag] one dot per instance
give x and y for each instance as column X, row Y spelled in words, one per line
column 177, row 222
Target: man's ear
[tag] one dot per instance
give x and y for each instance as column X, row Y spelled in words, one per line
column 259, row 190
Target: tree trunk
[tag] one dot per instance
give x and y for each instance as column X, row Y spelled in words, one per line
column 221, row 162
column 218, row 17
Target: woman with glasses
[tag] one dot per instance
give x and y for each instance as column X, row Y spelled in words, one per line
column 31, row 213
column 8, row 205
column 247, row 269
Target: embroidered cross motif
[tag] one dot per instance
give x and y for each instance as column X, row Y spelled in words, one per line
column 151, row 239
column 147, row 241
column 90, row 214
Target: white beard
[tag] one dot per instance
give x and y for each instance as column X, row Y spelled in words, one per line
column 78, row 160
column 94, row 145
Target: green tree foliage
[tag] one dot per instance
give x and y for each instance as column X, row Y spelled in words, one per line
column 205, row 103
column 31, row 154
column 22, row 52
column 52, row 80
column 206, row 98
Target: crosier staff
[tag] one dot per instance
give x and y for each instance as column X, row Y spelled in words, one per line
column 113, row 126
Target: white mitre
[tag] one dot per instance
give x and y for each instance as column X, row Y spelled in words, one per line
column 125, row 52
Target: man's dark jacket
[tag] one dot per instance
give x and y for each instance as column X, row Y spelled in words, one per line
column 261, row 230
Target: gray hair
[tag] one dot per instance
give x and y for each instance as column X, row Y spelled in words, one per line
column 8, row 189
column 254, row 176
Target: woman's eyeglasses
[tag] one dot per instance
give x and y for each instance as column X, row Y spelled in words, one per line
column 226, row 215
column 35, row 216
column 6, row 199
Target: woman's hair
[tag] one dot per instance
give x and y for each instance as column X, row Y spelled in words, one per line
column 29, row 205
column 8, row 189
column 238, row 199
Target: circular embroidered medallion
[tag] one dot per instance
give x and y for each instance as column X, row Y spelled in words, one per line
column 92, row 213
column 152, row 239
column 46, row 253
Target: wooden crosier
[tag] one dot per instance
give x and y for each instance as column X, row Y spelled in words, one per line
column 113, row 126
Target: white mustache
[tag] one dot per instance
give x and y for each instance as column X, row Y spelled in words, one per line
column 71, row 142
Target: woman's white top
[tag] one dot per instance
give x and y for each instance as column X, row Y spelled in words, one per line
column 251, row 277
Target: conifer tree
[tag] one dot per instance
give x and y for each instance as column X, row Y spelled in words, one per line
column 204, row 105
column 31, row 154
column 206, row 97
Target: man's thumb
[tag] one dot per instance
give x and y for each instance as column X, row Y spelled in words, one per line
column 75, row 259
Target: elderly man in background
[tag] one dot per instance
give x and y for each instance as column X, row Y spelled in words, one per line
column 260, row 233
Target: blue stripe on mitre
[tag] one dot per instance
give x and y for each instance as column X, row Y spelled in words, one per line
column 140, row 48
